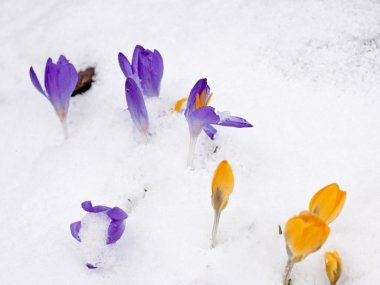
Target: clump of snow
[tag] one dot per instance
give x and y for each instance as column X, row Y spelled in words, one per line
column 93, row 235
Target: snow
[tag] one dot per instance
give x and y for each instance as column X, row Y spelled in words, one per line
column 305, row 73
column 93, row 236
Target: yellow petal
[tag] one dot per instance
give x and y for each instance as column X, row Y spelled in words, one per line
column 305, row 234
column 222, row 185
column 328, row 202
column 178, row 104
column 333, row 264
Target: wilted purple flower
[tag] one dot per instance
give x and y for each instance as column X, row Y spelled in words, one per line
column 200, row 116
column 147, row 70
column 60, row 81
column 116, row 225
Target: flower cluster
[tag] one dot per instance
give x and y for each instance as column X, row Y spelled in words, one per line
column 143, row 78
column 304, row 233
column 308, row 231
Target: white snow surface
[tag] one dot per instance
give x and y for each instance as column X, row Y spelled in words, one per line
column 305, row 73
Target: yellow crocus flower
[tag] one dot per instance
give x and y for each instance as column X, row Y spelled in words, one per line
column 222, row 187
column 333, row 266
column 304, row 234
column 328, row 202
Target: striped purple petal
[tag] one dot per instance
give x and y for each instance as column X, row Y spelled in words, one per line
column 136, row 105
column 35, row 81
column 87, row 206
column 210, row 131
column 135, row 58
column 75, row 229
column 198, row 119
column 150, row 69
column 125, row 66
column 115, row 231
column 235, row 122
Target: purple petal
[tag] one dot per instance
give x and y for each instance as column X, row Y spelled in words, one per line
column 198, row 119
column 87, row 206
column 197, row 89
column 35, row 81
column 210, row 131
column 75, row 228
column 60, row 81
column 136, row 105
column 135, row 58
column 117, row 214
column 125, row 65
column 115, row 231
column 90, row 266
column 235, row 122
column 150, row 69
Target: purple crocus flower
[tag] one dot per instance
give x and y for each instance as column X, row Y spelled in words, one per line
column 60, row 81
column 147, row 69
column 200, row 116
column 143, row 78
column 116, row 225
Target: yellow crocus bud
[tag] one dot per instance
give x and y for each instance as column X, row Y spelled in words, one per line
column 328, row 202
column 333, row 266
column 178, row 105
column 222, row 187
column 304, row 234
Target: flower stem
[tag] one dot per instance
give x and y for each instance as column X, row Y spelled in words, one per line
column 190, row 156
column 65, row 129
column 215, row 228
column 288, row 270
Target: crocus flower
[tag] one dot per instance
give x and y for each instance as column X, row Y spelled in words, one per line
column 147, row 69
column 333, row 264
column 116, row 226
column 328, row 202
column 200, row 116
column 221, row 189
column 304, row 234
column 60, row 81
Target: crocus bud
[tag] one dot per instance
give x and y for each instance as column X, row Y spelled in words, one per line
column 60, row 81
column 147, row 69
column 304, row 234
column 222, row 187
column 333, row 266
column 328, row 202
